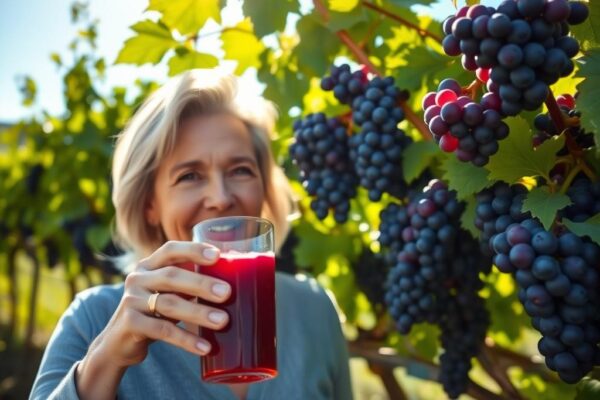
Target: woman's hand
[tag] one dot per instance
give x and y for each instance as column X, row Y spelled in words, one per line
column 133, row 327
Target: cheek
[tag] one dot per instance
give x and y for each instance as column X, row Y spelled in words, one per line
column 253, row 199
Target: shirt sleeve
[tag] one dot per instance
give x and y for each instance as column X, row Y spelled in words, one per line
column 342, row 382
column 68, row 345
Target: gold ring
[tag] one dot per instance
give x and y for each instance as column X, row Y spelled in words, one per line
column 152, row 304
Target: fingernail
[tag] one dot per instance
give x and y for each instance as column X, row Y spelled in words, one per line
column 203, row 347
column 210, row 253
column 217, row 316
column 220, row 289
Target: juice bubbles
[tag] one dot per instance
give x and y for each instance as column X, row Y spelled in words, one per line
column 245, row 350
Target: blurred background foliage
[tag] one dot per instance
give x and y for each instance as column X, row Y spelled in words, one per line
column 56, row 211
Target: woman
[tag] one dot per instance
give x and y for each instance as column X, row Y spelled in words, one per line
column 196, row 149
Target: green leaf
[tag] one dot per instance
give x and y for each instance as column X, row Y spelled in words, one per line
column 315, row 247
column 183, row 61
column 28, row 89
column 267, row 18
column 589, row 228
column 588, row 33
column 588, row 101
column 408, row 3
column 417, row 157
column 346, row 20
column 544, row 205
column 187, row 16
column 310, row 58
column 517, row 158
column 467, row 219
column 588, row 389
column 464, row 178
column 424, row 338
column 153, row 40
column 241, row 45
column 342, row 5
column 97, row 237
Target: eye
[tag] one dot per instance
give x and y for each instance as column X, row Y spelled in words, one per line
column 242, row 170
column 188, row 176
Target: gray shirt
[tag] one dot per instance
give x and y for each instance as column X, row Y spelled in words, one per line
column 312, row 358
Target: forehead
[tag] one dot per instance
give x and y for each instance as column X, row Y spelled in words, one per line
column 213, row 136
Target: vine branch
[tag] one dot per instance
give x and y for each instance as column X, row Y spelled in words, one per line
column 422, row 32
column 372, row 352
column 416, row 121
column 498, row 373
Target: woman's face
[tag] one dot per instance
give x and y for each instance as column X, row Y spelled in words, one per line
column 212, row 172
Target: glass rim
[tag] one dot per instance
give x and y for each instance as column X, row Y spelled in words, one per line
column 236, row 217
column 196, row 229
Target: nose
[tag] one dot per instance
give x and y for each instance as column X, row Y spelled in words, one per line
column 218, row 197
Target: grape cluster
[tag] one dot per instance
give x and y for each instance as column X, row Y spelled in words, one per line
column 370, row 272
column 77, row 228
column 463, row 328
column 345, row 84
column 321, row 152
column 434, row 277
column 424, row 233
column 524, row 44
column 376, row 150
column 558, row 279
column 546, row 128
column 470, row 129
column 498, row 207
column 585, row 198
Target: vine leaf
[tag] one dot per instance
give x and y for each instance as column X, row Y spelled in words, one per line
column 267, row 18
column 416, row 158
column 464, row 178
column 342, row 5
column 588, row 389
column 185, row 59
column 544, row 205
column 314, row 60
column 588, row 33
column 187, row 16
column 241, row 45
column 346, row 19
column 588, row 100
column 152, row 41
column 590, row 227
column 467, row 220
column 517, row 158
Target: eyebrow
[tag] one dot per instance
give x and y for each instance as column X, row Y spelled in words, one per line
column 200, row 164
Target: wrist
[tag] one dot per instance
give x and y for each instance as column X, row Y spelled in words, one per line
column 97, row 377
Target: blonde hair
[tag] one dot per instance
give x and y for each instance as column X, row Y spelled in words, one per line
column 151, row 134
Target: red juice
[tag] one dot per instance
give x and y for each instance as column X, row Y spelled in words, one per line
column 245, row 350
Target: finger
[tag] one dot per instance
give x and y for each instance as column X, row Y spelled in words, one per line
column 160, row 329
column 173, row 306
column 174, row 279
column 174, row 252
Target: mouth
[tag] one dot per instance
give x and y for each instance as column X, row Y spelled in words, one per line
column 225, row 231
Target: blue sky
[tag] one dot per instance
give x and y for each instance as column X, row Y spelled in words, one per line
column 30, row 30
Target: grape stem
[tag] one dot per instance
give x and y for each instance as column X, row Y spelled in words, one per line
column 472, row 89
column 422, row 32
column 557, row 118
column 559, row 121
column 569, row 179
column 363, row 58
